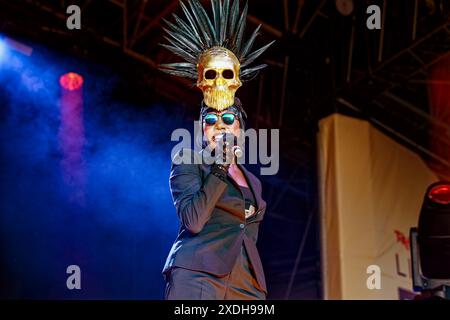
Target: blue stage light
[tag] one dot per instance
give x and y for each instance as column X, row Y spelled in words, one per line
column 2, row 49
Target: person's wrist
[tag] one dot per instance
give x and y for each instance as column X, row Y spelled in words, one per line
column 220, row 170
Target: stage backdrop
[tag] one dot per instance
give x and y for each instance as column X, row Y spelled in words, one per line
column 371, row 192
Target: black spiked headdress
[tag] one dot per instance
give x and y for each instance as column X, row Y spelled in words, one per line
column 196, row 34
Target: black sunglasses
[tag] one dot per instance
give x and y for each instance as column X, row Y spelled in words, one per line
column 227, row 118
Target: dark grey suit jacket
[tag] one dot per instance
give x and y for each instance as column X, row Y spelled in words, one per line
column 212, row 215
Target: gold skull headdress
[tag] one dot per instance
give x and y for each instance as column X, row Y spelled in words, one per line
column 213, row 50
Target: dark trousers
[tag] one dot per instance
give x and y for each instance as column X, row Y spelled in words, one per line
column 240, row 284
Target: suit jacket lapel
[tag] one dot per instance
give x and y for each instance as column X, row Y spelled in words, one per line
column 248, row 176
column 253, row 186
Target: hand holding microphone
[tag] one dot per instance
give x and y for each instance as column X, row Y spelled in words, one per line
column 226, row 150
column 227, row 142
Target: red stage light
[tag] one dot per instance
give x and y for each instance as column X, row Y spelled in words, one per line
column 440, row 194
column 71, row 81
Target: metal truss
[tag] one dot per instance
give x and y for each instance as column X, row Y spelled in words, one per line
column 391, row 89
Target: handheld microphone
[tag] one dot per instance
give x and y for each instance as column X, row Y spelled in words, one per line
column 237, row 151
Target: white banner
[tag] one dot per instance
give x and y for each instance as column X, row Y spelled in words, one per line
column 371, row 190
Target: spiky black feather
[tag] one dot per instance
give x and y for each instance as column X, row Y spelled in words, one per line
column 240, row 30
column 203, row 21
column 234, row 17
column 249, row 44
column 251, row 57
column 216, row 6
column 224, row 21
column 183, row 30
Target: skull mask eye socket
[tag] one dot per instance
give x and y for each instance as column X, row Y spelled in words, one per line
column 228, row 74
column 210, row 74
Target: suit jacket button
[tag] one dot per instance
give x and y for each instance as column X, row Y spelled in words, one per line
column 242, row 226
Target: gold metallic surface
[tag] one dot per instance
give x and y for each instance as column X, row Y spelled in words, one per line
column 219, row 92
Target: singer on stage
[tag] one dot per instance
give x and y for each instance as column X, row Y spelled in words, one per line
column 217, row 200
